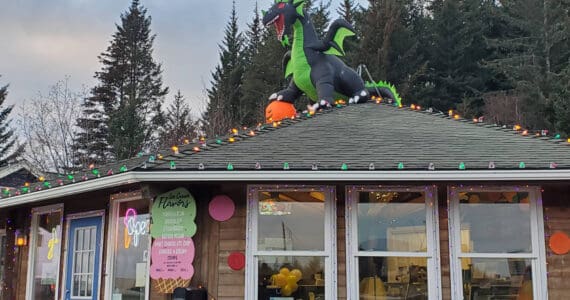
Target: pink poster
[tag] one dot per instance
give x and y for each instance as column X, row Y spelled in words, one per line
column 172, row 258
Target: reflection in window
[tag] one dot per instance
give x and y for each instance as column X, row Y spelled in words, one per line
column 294, row 276
column 46, row 239
column 292, row 253
column 131, row 250
column 291, row 221
column 392, row 221
column 495, row 222
column 395, row 250
column 502, row 278
column 394, row 278
column 495, row 257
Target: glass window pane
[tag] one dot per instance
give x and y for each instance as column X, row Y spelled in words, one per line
column 495, row 222
column 504, row 278
column 46, row 255
column 79, row 239
column 291, row 276
column 89, row 291
column 291, row 221
column 86, row 238
column 392, row 221
column 130, row 257
column 75, row 291
column 392, row 278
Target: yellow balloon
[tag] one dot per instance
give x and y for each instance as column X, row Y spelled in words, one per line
column 280, row 280
column 291, row 279
column 297, row 273
column 293, row 286
column 284, row 271
column 286, row 291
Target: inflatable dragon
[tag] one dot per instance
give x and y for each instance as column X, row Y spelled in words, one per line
column 314, row 64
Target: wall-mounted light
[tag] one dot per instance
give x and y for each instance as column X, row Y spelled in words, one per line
column 20, row 238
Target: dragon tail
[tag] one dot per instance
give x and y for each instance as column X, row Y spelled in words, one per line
column 385, row 90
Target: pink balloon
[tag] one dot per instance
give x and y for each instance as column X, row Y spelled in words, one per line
column 221, row 208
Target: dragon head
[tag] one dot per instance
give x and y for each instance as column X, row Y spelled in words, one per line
column 283, row 14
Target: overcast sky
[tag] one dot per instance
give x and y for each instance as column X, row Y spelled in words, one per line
column 44, row 41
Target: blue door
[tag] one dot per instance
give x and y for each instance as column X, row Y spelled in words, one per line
column 83, row 258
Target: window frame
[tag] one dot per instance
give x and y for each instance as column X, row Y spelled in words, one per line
column 537, row 256
column 112, row 243
column 330, row 248
column 432, row 236
column 36, row 212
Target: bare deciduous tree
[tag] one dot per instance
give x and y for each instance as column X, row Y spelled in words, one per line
column 47, row 124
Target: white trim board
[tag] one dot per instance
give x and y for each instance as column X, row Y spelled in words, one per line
column 291, row 175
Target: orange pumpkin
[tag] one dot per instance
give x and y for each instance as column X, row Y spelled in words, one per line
column 279, row 110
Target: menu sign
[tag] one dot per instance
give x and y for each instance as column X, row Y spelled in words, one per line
column 173, row 215
column 173, row 227
column 172, row 258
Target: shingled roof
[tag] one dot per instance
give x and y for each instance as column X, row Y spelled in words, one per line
column 371, row 138
column 385, row 136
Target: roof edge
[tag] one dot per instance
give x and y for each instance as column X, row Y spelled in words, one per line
column 291, row 176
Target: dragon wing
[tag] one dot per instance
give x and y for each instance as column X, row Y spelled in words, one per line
column 334, row 40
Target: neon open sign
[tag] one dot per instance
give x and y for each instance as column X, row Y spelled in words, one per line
column 133, row 228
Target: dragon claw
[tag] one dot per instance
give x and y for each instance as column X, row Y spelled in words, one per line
column 280, row 97
column 273, row 96
column 351, row 101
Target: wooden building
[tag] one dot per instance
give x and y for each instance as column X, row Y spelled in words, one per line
column 368, row 201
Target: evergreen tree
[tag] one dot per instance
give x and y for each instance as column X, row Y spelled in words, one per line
column 179, row 127
column 125, row 106
column 224, row 107
column 90, row 142
column 264, row 76
column 533, row 53
column 347, row 10
column 321, row 17
column 9, row 150
column 388, row 46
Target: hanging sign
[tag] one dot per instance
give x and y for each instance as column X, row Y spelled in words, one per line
column 173, row 227
column 173, row 215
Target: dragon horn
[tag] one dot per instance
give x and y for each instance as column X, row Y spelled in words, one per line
column 297, row 2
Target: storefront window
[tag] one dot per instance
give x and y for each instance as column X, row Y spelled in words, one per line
column 131, row 250
column 45, row 249
column 497, row 252
column 395, row 253
column 291, row 243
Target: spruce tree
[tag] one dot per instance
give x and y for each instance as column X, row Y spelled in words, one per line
column 388, row 46
column 347, row 10
column 321, row 17
column 533, row 53
column 224, row 108
column 264, row 76
column 9, row 150
column 125, row 106
column 179, row 127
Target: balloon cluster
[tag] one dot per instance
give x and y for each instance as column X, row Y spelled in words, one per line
column 287, row 280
